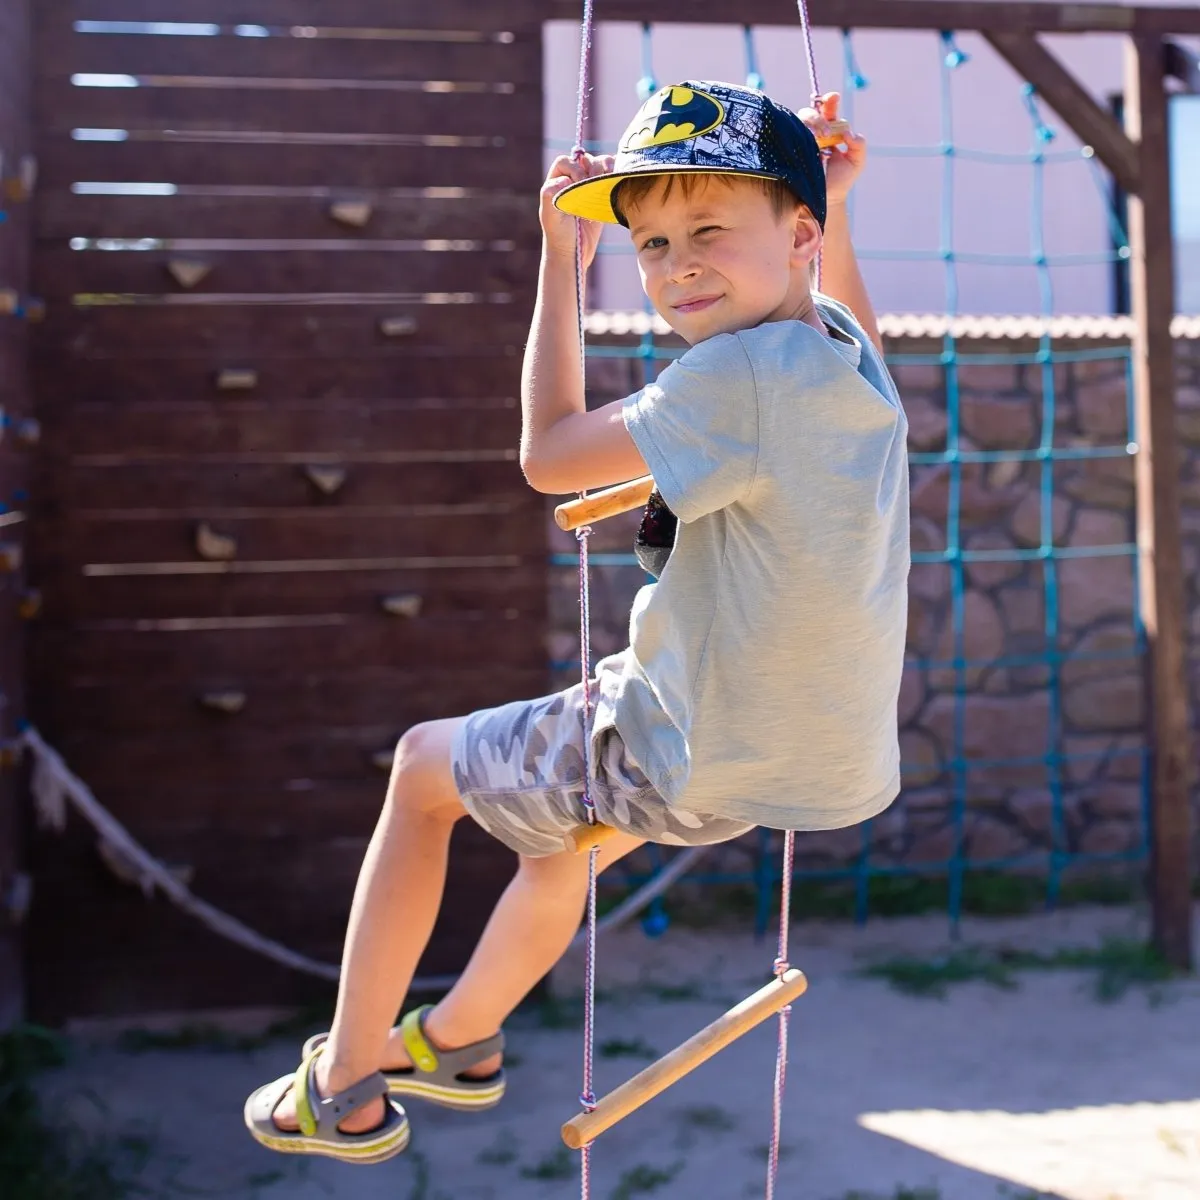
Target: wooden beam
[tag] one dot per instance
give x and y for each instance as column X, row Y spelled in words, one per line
column 981, row 15
column 1160, row 563
column 17, row 404
column 1060, row 89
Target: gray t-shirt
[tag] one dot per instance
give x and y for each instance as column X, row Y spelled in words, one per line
column 765, row 663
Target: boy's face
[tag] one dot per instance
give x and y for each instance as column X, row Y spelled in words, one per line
column 721, row 259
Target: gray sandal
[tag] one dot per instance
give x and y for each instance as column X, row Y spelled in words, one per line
column 438, row 1075
column 319, row 1118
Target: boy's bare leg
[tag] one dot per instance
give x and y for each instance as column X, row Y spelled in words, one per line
column 395, row 906
column 396, row 902
column 529, row 931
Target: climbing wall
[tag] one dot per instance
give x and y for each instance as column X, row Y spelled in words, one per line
column 16, row 433
column 288, row 271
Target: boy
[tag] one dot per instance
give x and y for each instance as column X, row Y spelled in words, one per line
column 761, row 681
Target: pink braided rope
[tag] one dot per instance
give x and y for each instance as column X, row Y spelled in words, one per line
column 781, row 967
column 587, row 1097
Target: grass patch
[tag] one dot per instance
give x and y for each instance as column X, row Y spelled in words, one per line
column 626, row 1048
column 901, row 1193
column 558, row 1012
column 45, row 1159
column 984, row 893
column 559, row 1165
column 1119, row 964
column 709, row 1117
column 642, row 1180
column 265, row 1178
column 502, row 1152
column 213, row 1039
column 672, row 993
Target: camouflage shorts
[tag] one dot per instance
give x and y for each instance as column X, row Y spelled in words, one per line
column 520, row 770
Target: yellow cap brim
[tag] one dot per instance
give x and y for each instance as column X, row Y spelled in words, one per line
column 592, row 198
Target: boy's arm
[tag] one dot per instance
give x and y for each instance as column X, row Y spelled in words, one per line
column 840, row 276
column 565, row 448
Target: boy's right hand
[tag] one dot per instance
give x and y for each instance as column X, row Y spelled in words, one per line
column 558, row 228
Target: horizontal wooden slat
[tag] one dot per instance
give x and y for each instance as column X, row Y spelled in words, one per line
column 512, row 163
column 382, row 59
column 260, row 335
column 69, row 596
column 63, row 272
column 217, row 488
column 104, row 376
column 102, row 654
column 482, row 112
column 455, row 15
column 189, row 431
column 374, row 698
column 62, row 214
column 326, row 535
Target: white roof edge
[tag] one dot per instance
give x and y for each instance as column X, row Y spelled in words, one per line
column 915, row 325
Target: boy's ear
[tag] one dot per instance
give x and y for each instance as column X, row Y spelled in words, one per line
column 806, row 236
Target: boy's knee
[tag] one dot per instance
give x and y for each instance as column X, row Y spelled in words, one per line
column 422, row 779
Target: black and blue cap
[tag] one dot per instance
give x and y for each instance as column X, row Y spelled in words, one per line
column 711, row 128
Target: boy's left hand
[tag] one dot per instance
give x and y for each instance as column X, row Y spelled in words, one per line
column 844, row 164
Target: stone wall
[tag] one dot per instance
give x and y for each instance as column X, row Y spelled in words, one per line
column 1046, row 699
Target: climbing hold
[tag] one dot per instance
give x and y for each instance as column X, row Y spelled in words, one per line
column 327, row 480
column 403, row 604
column 237, row 379
column 187, row 272
column 228, row 702
column 127, row 871
column 27, row 430
column 382, row 760
column 355, row 213
column 29, row 605
column 214, row 546
column 398, row 326
column 11, row 558
column 18, row 188
column 17, row 899
column 13, row 304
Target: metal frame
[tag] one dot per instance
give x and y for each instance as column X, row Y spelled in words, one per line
column 1138, row 158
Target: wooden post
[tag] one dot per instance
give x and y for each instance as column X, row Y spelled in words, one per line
column 1160, row 565
column 15, row 462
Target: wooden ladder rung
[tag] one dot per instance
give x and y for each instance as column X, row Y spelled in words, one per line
column 645, row 1085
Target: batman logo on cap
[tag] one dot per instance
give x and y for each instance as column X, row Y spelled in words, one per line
column 673, row 115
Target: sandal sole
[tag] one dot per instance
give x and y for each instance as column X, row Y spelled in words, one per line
column 445, row 1097
column 432, row 1093
column 296, row 1143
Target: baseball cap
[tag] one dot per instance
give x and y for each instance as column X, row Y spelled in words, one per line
column 712, row 128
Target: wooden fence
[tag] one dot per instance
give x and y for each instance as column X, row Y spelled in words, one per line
column 288, row 274
column 15, row 407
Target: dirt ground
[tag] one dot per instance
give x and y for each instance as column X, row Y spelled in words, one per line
column 987, row 1092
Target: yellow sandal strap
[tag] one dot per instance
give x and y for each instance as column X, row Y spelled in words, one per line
column 423, row 1054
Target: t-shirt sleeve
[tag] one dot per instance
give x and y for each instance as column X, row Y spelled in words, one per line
column 697, row 427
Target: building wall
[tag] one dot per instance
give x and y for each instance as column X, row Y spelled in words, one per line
column 1051, row 660
column 899, row 205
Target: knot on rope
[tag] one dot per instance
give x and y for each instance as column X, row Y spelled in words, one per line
column 583, row 533
column 781, row 967
column 587, row 1101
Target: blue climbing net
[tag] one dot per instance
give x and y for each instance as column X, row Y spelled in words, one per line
column 1062, row 763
